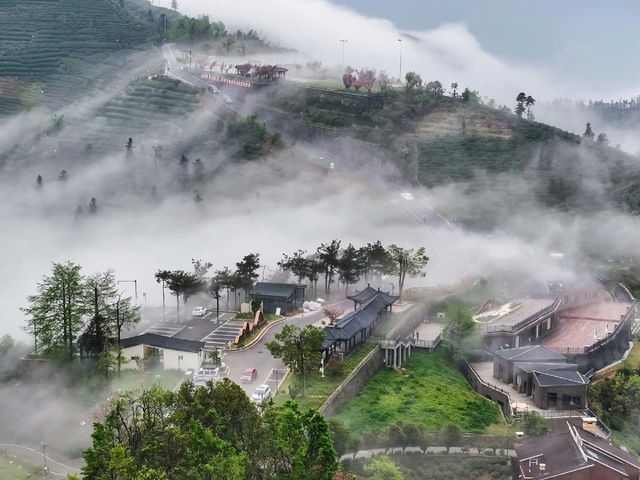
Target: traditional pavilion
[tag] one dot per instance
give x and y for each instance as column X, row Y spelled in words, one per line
column 357, row 326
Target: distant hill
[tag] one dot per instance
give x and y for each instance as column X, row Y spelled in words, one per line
column 436, row 140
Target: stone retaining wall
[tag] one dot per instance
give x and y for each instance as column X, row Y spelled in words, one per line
column 354, row 383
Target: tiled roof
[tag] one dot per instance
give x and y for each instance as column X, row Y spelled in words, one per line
column 560, row 378
column 531, row 353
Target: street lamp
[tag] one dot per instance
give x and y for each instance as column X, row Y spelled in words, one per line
column 400, row 77
column 135, row 287
column 344, row 44
column 44, row 455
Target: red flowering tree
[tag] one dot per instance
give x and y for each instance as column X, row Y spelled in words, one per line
column 348, row 79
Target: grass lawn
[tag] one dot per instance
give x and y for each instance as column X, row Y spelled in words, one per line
column 431, row 393
column 269, row 318
column 633, row 359
column 10, row 470
column 318, row 389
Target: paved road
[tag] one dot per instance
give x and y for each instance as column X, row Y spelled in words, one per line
column 259, row 357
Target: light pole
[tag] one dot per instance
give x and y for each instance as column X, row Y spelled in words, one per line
column 44, row 455
column 135, row 287
column 400, row 77
column 344, row 44
column 393, row 287
column 179, row 358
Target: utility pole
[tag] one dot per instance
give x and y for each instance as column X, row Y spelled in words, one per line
column 400, row 78
column 344, row 44
column 44, row 455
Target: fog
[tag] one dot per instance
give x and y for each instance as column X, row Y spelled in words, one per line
column 449, row 53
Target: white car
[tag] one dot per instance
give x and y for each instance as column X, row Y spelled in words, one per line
column 199, row 312
column 406, row 195
column 262, row 394
column 227, row 99
column 213, row 89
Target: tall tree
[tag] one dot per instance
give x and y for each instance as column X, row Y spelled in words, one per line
column 296, row 264
column 246, row 271
column 300, row 349
column 520, row 100
column 329, row 255
column 407, row 261
column 124, row 315
column 529, row 102
column 201, row 268
column 102, row 293
column 350, row 266
column 183, row 284
column 174, row 5
column 56, row 312
column 224, row 278
column 162, row 277
column 454, row 89
column 375, row 260
column 215, row 288
column 413, row 81
column 314, row 269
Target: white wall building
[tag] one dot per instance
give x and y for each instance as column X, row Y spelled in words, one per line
column 163, row 352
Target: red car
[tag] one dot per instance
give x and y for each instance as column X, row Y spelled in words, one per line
column 249, row 375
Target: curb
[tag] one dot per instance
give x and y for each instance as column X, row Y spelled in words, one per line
column 257, row 339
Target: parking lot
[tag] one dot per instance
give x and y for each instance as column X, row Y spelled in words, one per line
column 215, row 334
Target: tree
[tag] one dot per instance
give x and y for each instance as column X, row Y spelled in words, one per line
column 299, row 349
column 435, row 88
column 602, row 139
column 124, row 315
column 450, row 435
column 454, row 89
column 383, row 468
column 413, row 81
column 214, row 290
column 296, row 264
column 383, row 81
column 366, row 79
column 460, row 326
column 246, row 271
column 101, row 292
column 56, row 312
column 349, row 266
column 229, row 43
column 174, row 5
column 328, row 255
column 314, row 268
column 529, row 102
column 162, row 276
column 211, row 432
column 535, row 424
column 93, row 206
column 39, row 181
column 374, row 260
column 224, row 278
column 348, row 79
column 405, row 261
column 332, row 313
column 520, row 100
column 183, row 283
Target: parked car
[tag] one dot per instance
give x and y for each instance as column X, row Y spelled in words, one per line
column 262, row 394
column 407, row 195
column 199, row 312
column 213, row 89
column 227, row 99
column 249, row 375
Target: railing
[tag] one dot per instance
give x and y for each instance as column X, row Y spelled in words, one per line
column 601, row 424
column 490, row 328
column 508, row 410
column 399, row 341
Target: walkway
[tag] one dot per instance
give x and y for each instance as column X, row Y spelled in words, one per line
column 433, row 450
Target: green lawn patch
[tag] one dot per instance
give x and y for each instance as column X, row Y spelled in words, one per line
column 317, row 388
column 431, row 393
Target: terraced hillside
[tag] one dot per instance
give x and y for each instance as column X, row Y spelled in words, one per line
column 50, row 48
column 148, row 103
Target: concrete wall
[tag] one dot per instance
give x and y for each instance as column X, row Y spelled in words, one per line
column 354, row 383
column 541, row 400
column 190, row 360
column 128, row 353
column 492, row 392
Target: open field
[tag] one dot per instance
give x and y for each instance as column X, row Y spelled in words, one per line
column 431, row 393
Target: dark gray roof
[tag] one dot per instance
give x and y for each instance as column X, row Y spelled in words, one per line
column 531, row 353
column 530, row 367
column 560, row 378
column 280, row 290
column 364, row 295
column 360, row 319
column 160, row 341
column 563, row 452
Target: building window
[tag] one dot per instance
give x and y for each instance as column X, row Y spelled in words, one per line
column 572, row 401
